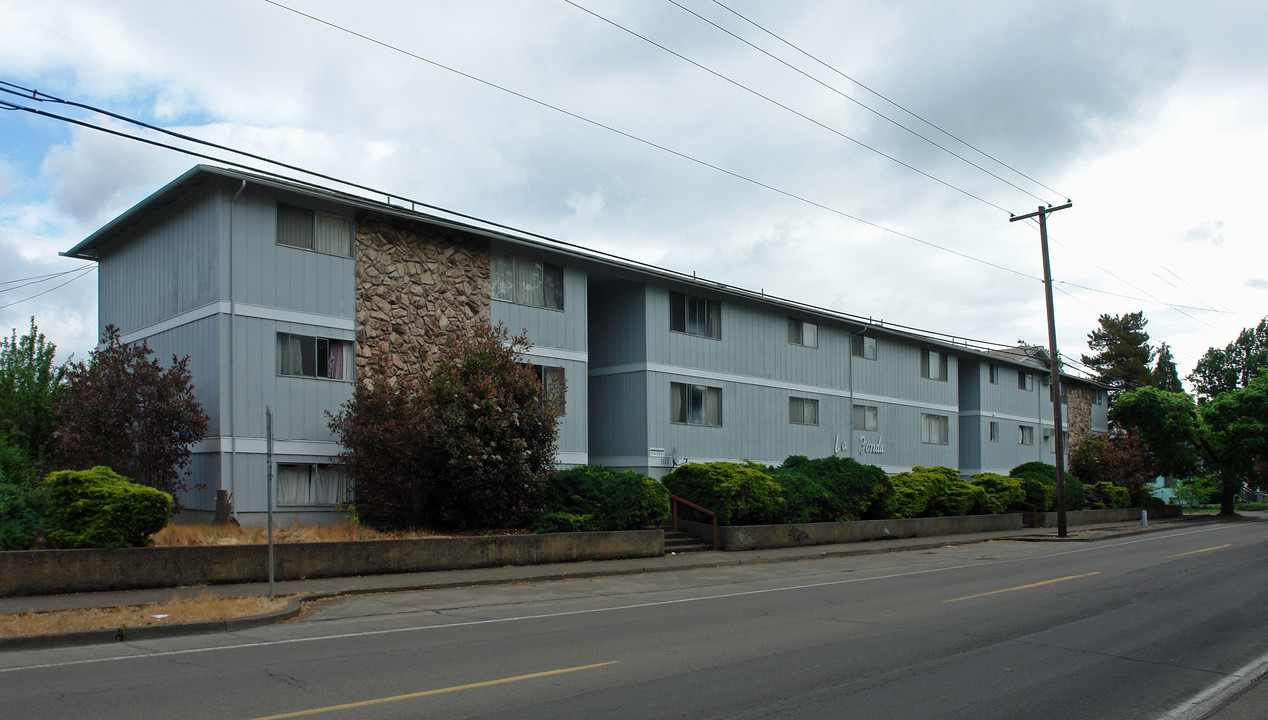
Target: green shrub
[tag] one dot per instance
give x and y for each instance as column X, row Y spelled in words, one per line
column 740, row 494
column 1003, row 494
column 854, row 490
column 21, row 515
column 806, row 500
column 935, row 492
column 100, row 508
column 1105, row 495
column 593, row 497
column 1047, row 475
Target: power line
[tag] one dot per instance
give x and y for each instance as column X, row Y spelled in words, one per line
column 965, row 143
column 36, row 279
column 787, row 108
column 82, row 272
column 875, row 112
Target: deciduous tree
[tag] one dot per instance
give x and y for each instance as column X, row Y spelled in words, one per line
column 1235, row 435
column 29, row 381
column 1223, row 370
column 122, row 409
column 1167, row 424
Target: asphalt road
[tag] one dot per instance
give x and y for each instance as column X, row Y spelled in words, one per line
column 1134, row 627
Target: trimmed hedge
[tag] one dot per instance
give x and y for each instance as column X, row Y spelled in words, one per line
column 1046, row 475
column 739, row 494
column 1003, row 494
column 594, row 497
column 832, row 489
column 101, row 509
column 935, row 492
column 21, row 515
column 1107, row 495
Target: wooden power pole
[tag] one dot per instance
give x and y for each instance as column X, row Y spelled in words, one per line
column 1053, row 360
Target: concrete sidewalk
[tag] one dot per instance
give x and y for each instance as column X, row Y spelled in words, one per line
column 307, row 590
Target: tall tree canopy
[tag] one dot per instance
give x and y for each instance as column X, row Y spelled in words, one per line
column 1167, row 424
column 124, row 410
column 1165, row 377
column 1235, row 433
column 1235, row 366
column 29, row 380
column 1122, row 352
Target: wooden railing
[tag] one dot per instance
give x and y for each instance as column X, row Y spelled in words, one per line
column 674, row 501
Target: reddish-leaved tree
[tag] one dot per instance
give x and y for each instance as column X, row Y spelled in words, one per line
column 124, row 410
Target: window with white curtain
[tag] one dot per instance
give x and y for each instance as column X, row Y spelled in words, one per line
column 525, row 281
column 318, row 357
column 311, row 230
column 803, row 333
column 1026, row 434
column 933, row 365
column 934, row 429
column 695, row 404
column 695, row 315
column 866, row 417
column 312, row 484
column 862, row 346
column 1025, row 381
column 803, row 411
column 994, row 431
column 552, row 380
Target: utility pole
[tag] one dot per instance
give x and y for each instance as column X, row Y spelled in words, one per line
column 1053, row 360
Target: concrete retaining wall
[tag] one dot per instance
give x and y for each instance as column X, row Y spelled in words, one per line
column 1092, row 517
column 42, row 572
column 756, row 537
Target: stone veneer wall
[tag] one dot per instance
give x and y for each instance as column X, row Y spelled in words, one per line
column 1079, row 413
column 415, row 284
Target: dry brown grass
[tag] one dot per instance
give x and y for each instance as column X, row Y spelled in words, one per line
column 180, row 534
column 205, row 606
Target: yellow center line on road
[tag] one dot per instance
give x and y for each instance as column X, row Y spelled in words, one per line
column 1022, row 587
column 438, row 691
column 1195, row 552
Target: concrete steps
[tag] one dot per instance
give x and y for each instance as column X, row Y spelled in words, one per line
column 678, row 542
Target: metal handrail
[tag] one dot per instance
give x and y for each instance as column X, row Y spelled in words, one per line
column 1035, row 509
column 674, row 500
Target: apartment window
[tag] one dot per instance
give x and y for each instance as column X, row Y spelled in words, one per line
column 695, row 404
column 803, row 411
column 311, row 230
column 994, row 374
column 525, row 281
column 862, row 346
column 865, row 417
column 1052, row 446
column 318, row 357
column 1025, row 381
column 934, row 429
column 551, row 379
column 695, row 315
column 803, row 333
column 315, row 484
column 1026, row 434
column 933, row 365
column 994, row 432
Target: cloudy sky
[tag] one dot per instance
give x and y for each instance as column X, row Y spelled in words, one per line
column 859, row 156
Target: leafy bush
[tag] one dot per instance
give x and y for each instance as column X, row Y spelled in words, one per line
column 1002, row 493
column 124, row 410
column 470, row 445
column 935, row 492
column 806, row 499
column 853, row 490
column 1047, row 475
column 21, row 515
column 593, row 497
column 1103, row 495
column 100, row 508
column 740, row 494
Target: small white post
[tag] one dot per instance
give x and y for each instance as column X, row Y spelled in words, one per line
column 1144, row 518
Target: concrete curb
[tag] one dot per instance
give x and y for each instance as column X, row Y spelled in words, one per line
column 149, row 632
